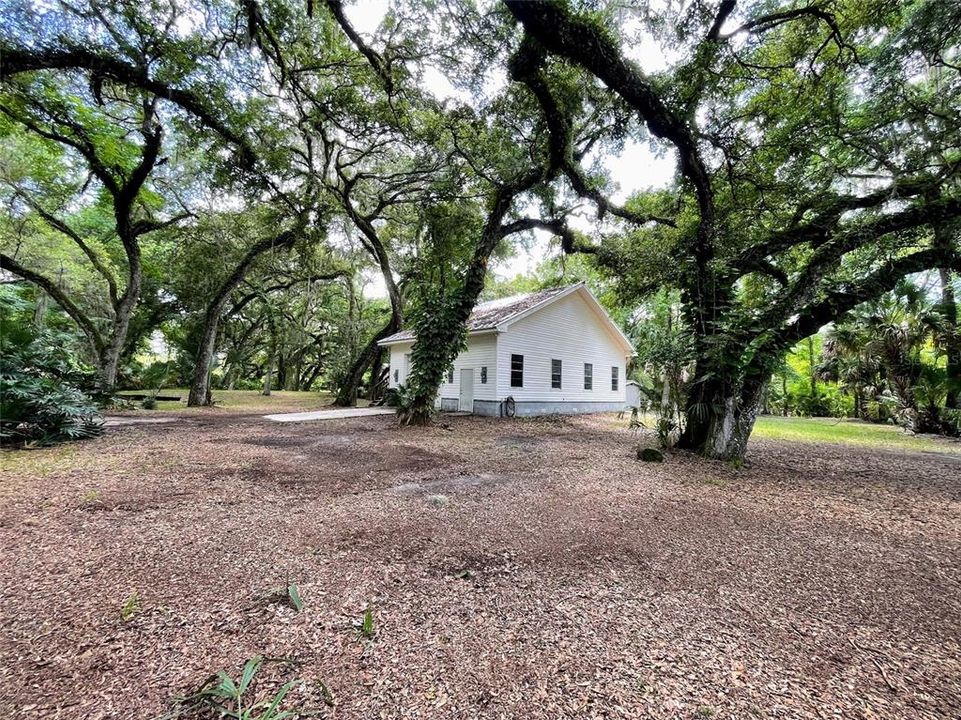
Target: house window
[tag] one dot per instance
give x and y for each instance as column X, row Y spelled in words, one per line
column 614, row 377
column 556, row 374
column 588, row 376
column 450, row 375
column 517, row 371
column 396, row 375
column 483, row 375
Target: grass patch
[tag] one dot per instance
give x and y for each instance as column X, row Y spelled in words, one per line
column 131, row 608
column 250, row 400
column 848, row 432
column 42, row 462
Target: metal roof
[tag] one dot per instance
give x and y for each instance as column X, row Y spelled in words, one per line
column 488, row 315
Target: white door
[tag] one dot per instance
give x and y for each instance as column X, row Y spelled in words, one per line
column 466, row 403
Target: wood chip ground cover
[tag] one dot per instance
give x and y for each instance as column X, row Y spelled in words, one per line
column 560, row 577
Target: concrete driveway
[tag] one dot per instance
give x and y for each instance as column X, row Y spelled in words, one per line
column 337, row 414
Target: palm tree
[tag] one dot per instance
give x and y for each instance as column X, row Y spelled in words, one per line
column 886, row 353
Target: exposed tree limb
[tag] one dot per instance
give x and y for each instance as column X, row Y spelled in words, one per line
column 62, row 227
column 60, row 297
column 844, row 299
column 377, row 62
column 15, row 60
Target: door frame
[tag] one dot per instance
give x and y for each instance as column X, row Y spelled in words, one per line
column 469, row 373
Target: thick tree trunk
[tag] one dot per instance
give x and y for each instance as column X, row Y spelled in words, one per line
column 40, row 309
column 350, row 388
column 123, row 311
column 376, row 374
column 312, row 376
column 666, row 398
column 268, row 376
column 281, row 370
column 721, row 416
column 200, row 381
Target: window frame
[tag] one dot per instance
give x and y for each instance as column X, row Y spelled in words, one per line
column 514, row 360
column 558, row 375
column 615, row 378
column 589, row 376
column 483, row 374
column 450, row 376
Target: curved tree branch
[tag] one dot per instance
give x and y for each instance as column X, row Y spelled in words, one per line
column 59, row 296
column 16, row 60
column 62, row 227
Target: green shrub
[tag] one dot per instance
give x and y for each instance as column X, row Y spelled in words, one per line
column 951, row 421
column 40, row 397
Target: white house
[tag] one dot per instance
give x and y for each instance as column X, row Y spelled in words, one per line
column 554, row 351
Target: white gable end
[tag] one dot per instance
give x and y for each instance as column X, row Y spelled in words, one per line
column 564, row 328
column 568, row 330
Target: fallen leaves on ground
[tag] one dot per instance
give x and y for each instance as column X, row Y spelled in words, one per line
column 559, row 578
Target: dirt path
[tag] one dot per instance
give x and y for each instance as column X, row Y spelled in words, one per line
column 514, row 569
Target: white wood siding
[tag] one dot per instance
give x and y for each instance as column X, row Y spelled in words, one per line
column 481, row 352
column 398, row 362
column 570, row 331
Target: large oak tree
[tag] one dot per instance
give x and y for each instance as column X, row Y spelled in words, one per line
column 814, row 161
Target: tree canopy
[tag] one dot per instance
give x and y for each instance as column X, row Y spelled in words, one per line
column 234, row 173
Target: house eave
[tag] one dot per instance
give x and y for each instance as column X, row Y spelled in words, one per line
column 401, row 341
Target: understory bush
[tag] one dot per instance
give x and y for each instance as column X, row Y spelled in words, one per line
column 951, row 421
column 41, row 400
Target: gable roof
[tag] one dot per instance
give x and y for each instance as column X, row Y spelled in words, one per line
column 488, row 315
column 496, row 315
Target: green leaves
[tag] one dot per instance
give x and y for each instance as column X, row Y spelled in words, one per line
column 293, row 595
column 40, row 401
column 250, row 669
column 131, row 608
column 367, row 624
column 226, row 697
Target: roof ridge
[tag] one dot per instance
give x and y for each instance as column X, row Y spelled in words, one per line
column 490, row 314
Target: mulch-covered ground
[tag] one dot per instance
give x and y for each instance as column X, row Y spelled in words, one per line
column 513, row 569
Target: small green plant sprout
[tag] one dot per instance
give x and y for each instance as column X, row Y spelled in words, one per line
column 149, row 403
column 131, row 607
column 324, row 691
column 222, row 696
column 705, row 711
column 91, row 497
column 367, row 624
column 293, row 597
